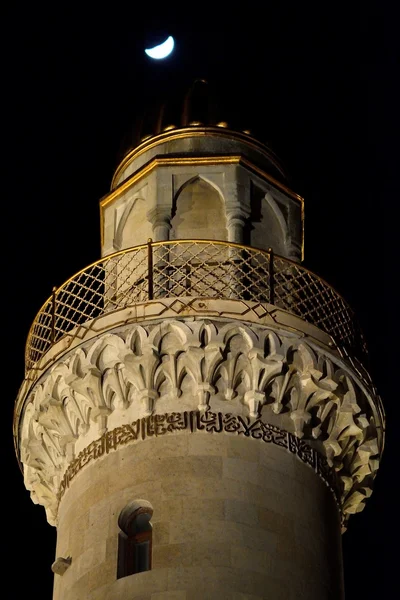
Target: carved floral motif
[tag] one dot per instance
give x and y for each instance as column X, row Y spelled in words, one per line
column 129, row 376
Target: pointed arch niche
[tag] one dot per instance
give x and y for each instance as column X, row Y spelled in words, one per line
column 131, row 225
column 269, row 223
column 198, row 212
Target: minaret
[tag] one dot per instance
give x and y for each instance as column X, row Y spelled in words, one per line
column 196, row 417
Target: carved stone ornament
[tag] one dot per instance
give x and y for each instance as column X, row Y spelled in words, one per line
column 199, row 366
column 60, row 565
column 205, row 422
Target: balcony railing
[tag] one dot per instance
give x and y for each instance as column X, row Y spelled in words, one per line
column 196, row 268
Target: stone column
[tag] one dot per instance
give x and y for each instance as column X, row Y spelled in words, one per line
column 236, row 217
column 236, row 220
column 160, row 217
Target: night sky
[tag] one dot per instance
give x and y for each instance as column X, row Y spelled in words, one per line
column 314, row 81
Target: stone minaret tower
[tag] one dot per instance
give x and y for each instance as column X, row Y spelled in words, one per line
column 196, row 418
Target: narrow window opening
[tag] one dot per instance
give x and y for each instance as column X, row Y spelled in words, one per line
column 135, row 538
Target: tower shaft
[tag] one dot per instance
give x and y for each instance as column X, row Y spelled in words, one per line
column 196, row 418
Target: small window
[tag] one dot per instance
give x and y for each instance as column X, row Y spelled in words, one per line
column 134, row 539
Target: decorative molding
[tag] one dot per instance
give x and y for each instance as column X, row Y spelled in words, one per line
column 206, row 365
column 208, row 422
column 192, row 132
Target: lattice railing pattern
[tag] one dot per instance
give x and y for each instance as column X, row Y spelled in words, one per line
column 195, row 268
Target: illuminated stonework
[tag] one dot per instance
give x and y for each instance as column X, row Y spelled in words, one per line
column 198, row 366
column 207, row 422
column 204, row 365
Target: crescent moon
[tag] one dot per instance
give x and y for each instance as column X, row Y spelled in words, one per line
column 162, row 50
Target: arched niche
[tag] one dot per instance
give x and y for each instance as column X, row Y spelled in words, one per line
column 198, row 212
column 269, row 227
column 131, row 225
column 134, row 538
column 121, row 215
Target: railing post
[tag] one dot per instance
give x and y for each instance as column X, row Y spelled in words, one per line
column 150, row 267
column 53, row 315
column 271, row 277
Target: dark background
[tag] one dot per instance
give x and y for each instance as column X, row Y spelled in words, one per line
column 316, row 81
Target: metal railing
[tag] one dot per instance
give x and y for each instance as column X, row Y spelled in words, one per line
column 196, row 268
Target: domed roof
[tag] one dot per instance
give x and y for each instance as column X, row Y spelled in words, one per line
column 196, row 105
column 199, row 105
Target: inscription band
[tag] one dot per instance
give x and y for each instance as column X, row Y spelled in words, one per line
column 208, row 422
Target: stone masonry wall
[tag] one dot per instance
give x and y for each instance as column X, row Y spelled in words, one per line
column 233, row 518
